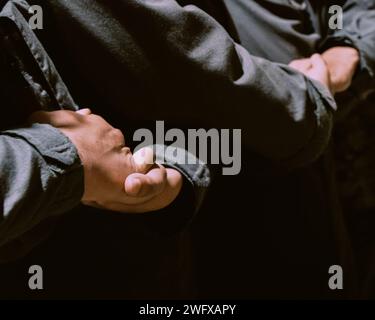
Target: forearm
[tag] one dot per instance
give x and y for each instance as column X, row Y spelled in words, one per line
column 195, row 74
column 41, row 176
column 358, row 32
column 280, row 111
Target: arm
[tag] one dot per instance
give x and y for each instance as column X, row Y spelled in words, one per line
column 41, row 175
column 285, row 116
column 350, row 52
column 114, row 178
column 197, row 75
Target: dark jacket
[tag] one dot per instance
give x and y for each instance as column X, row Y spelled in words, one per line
column 170, row 62
column 41, row 173
column 110, row 53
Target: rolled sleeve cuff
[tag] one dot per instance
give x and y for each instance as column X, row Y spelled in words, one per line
column 324, row 109
column 63, row 177
column 195, row 171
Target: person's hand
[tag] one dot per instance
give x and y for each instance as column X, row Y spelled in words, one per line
column 114, row 179
column 315, row 68
column 342, row 64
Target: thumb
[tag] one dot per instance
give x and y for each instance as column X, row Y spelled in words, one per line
column 133, row 184
column 146, row 185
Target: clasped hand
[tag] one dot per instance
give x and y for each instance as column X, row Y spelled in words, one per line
column 335, row 68
column 114, row 178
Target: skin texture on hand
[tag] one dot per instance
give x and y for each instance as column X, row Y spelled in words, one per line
column 338, row 63
column 342, row 64
column 315, row 68
column 114, row 179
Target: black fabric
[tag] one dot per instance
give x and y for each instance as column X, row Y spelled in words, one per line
column 257, row 234
column 260, row 234
column 16, row 95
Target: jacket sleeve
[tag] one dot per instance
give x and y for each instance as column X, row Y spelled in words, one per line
column 285, row 116
column 40, row 176
column 359, row 32
column 197, row 179
column 197, row 174
column 197, row 74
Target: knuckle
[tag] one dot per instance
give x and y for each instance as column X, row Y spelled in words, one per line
column 117, row 134
column 94, row 118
